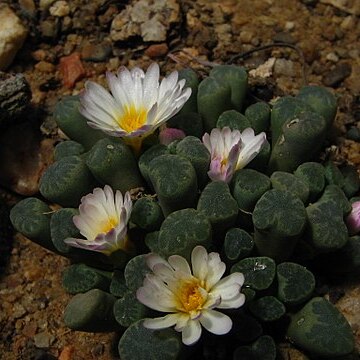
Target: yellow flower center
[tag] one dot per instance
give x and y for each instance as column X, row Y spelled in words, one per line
column 132, row 118
column 224, row 162
column 189, row 295
column 108, row 225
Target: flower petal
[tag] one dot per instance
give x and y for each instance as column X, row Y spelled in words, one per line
column 179, row 264
column 154, row 300
column 215, row 322
column 161, row 322
column 191, row 332
column 216, row 269
column 234, row 278
column 233, row 303
column 199, row 259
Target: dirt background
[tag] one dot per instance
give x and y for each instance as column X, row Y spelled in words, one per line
column 71, row 41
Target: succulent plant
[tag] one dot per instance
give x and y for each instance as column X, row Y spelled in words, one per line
column 152, row 219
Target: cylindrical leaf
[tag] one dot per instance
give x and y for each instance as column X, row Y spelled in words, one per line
column 321, row 329
column 66, row 181
column 174, row 180
column 295, row 283
column 73, row 124
column 31, row 217
column 141, row 343
column 68, row 148
column 234, row 120
column 259, row 116
column 91, row 311
column 259, row 272
column 80, row 278
column 147, row 214
column 181, row 231
column 284, row 181
column 275, row 235
column 113, row 163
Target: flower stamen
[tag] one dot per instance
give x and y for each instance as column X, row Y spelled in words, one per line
column 110, row 224
column 132, row 118
column 190, row 296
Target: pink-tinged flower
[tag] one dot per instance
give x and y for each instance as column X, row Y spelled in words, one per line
column 103, row 220
column 137, row 105
column 190, row 295
column 353, row 219
column 231, row 150
column 168, row 135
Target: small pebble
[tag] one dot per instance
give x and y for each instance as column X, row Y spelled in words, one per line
column 96, row 52
column 66, row 24
column 39, row 54
column 156, row 50
column 284, row 37
column 337, row 75
column 49, row 28
column 289, row 25
column 348, row 23
column 284, row 67
column 246, row 37
column 43, row 340
column 45, row 4
column 29, row 329
column 71, row 69
column 45, row 67
column 12, row 35
column 98, row 350
column 66, row 353
column 18, row 311
column 28, row 7
column 353, row 134
column 60, row 9
column 332, row 57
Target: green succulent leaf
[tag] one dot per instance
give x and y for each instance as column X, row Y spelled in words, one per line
column 128, row 309
column 267, row 308
column 259, row 272
column 91, row 311
column 295, row 283
column 321, row 329
column 141, row 343
column 80, row 278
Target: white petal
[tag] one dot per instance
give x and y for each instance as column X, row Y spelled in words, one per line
column 153, row 259
column 199, row 259
column 206, row 141
column 127, row 84
column 215, row 322
column 154, row 300
column 151, row 85
column 162, row 322
column 227, row 292
column 251, row 147
column 233, row 303
column 212, row 301
column 216, row 269
column 182, row 321
column 117, row 90
column 234, row 278
column 165, row 273
column 179, row 264
column 191, row 332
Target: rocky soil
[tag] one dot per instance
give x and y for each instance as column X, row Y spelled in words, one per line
column 57, row 45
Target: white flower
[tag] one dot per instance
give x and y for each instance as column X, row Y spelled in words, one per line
column 191, row 295
column 231, row 150
column 137, row 105
column 102, row 220
column 353, row 219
